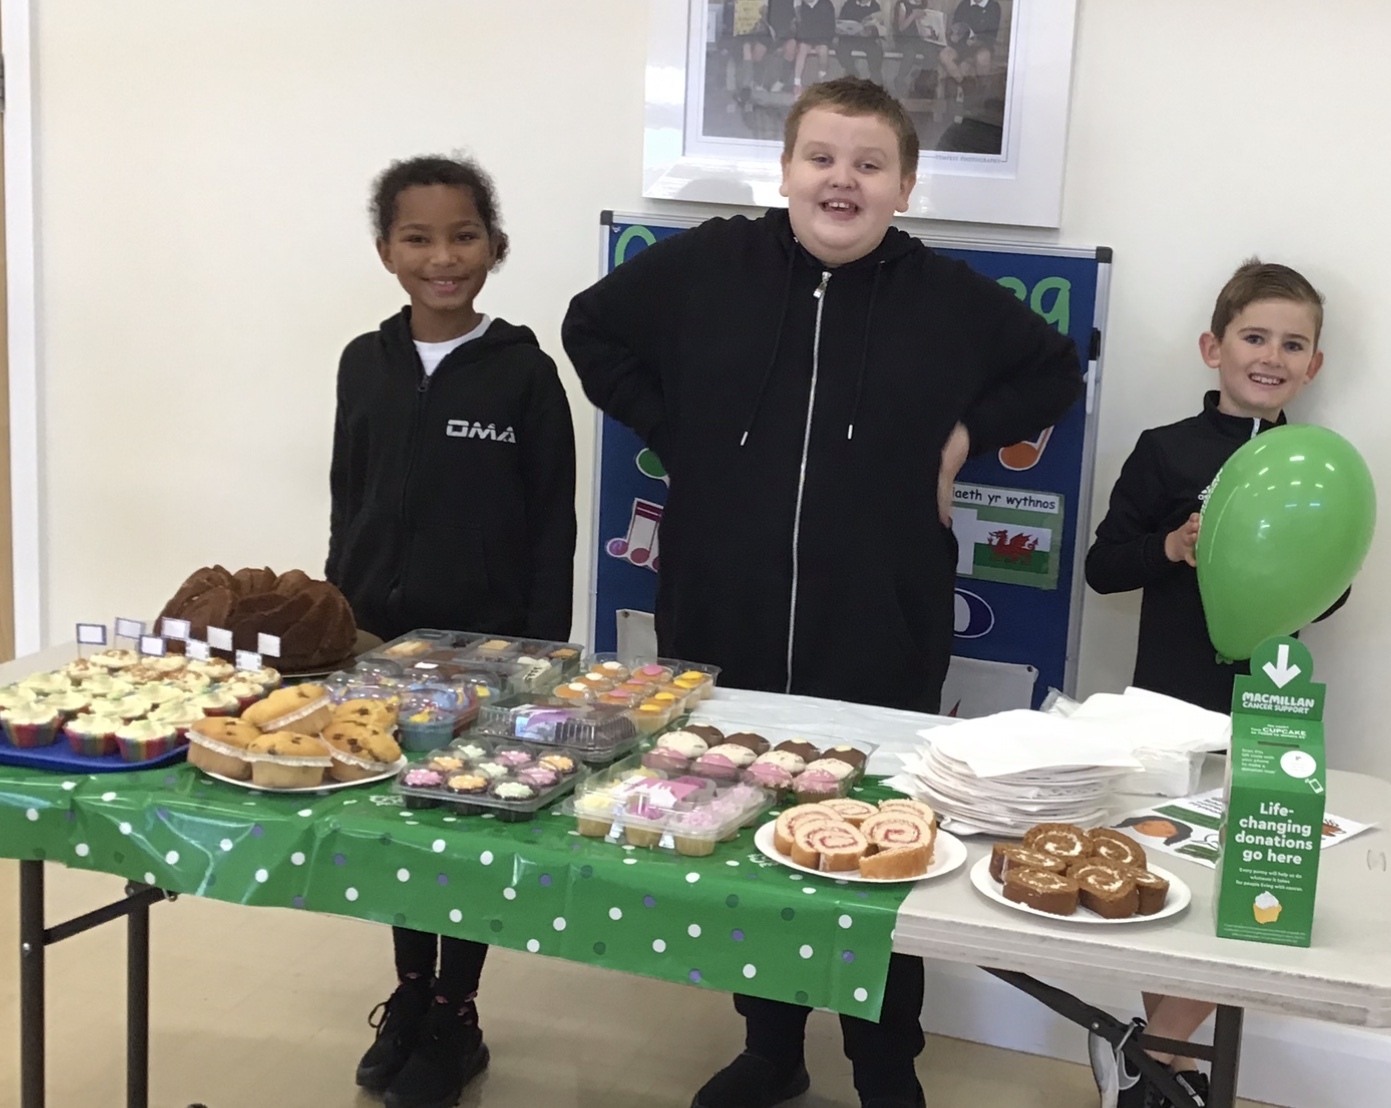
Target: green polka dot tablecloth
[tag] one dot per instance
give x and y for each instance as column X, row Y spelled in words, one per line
column 734, row 921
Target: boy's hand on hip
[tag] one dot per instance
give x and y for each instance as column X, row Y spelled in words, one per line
column 1179, row 544
column 954, row 456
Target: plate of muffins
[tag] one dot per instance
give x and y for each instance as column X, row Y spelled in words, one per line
column 1061, row 871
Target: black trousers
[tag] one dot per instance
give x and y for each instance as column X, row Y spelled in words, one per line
column 454, row 965
column 874, row 55
column 882, row 1053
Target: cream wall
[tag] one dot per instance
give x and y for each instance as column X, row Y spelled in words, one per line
column 204, row 254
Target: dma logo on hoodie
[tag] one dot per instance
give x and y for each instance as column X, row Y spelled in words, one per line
column 466, row 429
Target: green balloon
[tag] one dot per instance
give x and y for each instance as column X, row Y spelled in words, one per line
column 1286, row 525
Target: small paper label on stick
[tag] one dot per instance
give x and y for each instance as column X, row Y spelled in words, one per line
column 129, row 628
column 153, row 646
column 176, row 629
column 426, row 665
column 219, row 638
column 197, row 650
column 248, row 660
column 91, row 634
column 268, row 644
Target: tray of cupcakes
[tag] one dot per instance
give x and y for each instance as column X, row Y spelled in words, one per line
column 793, row 767
column 633, row 804
column 298, row 740
column 528, row 666
column 601, row 733
column 118, row 710
column 509, row 780
column 1061, row 871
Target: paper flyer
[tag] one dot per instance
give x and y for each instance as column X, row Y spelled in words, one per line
column 1188, row 827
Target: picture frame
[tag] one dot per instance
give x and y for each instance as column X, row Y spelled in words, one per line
column 991, row 110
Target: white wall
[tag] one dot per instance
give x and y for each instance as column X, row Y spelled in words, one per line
column 202, row 170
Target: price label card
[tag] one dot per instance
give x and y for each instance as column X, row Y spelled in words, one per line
column 248, row 660
column 91, row 634
column 219, row 638
column 129, row 628
column 176, row 629
column 197, row 650
column 153, row 646
column 268, row 644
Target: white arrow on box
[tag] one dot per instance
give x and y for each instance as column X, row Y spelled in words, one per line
column 1282, row 673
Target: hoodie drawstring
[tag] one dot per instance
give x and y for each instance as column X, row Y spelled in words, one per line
column 864, row 352
column 777, row 345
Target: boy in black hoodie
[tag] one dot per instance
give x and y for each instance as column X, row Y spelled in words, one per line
column 813, row 380
column 1264, row 346
column 453, row 505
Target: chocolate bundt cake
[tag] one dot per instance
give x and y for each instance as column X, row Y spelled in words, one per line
column 311, row 617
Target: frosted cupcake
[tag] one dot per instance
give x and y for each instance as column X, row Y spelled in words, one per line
column 215, row 669
column 180, row 715
column 104, row 684
column 166, row 692
column 45, row 684
column 30, row 725
column 246, row 691
column 145, row 739
column 115, row 659
column 193, row 683
column 217, row 702
column 92, row 736
column 14, row 696
column 68, row 704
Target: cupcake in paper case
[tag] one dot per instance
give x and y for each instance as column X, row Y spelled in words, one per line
column 686, row 743
column 29, row 726
column 68, row 704
column 12, row 696
column 92, row 736
column 217, row 701
column 247, row 692
column 266, row 677
column 421, row 778
column 1266, row 908
column 214, row 669
column 161, row 693
column 769, row 775
column 45, row 684
column 115, row 659
column 166, row 664
column 102, row 683
column 192, row 683
column 180, row 715
column 145, row 739
column 816, row 784
column 124, row 708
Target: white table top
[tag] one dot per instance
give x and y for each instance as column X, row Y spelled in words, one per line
column 1344, row 977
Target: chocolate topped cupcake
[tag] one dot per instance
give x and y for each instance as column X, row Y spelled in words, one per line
column 849, row 754
column 757, row 743
column 803, row 750
column 713, row 736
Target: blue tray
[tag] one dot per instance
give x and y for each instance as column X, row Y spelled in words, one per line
column 59, row 758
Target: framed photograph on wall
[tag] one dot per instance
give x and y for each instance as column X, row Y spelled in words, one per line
column 986, row 82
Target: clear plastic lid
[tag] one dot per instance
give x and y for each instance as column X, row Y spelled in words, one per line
column 486, row 773
column 648, row 807
column 602, row 732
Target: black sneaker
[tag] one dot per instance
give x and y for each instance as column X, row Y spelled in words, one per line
column 1136, row 1091
column 449, row 1053
column 752, row 1082
column 917, row 1100
column 1195, row 1084
column 398, row 1020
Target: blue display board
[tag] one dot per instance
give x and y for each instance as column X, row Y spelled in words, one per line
column 1021, row 514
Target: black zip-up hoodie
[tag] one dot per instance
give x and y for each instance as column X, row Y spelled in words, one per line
column 453, row 496
column 1162, row 483
column 801, row 413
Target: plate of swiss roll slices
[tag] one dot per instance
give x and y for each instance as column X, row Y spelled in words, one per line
column 1061, row 871
column 854, row 840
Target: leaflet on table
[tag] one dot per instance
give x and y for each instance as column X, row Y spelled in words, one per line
column 1188, row 827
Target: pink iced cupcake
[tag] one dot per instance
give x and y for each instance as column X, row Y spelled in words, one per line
column 145, row 739
column 92, row 736
column 31, row 725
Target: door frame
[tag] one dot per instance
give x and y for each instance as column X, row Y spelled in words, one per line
column 21, row 264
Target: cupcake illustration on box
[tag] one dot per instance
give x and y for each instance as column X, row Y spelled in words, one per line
column 1266, row 908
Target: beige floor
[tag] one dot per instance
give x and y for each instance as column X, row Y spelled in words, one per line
column 258, row 1007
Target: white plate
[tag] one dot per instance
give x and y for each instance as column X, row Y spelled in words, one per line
column 948, row 853
column 327, row 787
column 1179, row 896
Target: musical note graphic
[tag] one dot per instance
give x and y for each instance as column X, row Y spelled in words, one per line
column 639, row 545
column 1025, row 455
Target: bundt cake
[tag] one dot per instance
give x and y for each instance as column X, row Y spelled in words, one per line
column 311, row 617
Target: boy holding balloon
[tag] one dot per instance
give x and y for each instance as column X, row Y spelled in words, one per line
column 1264, row 346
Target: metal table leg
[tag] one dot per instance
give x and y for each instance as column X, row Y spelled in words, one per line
column 31, row 985
column 1226, row 1060
column 137, row 1003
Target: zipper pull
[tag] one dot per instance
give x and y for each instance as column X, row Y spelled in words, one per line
column 821, row 288
column 424, row 383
